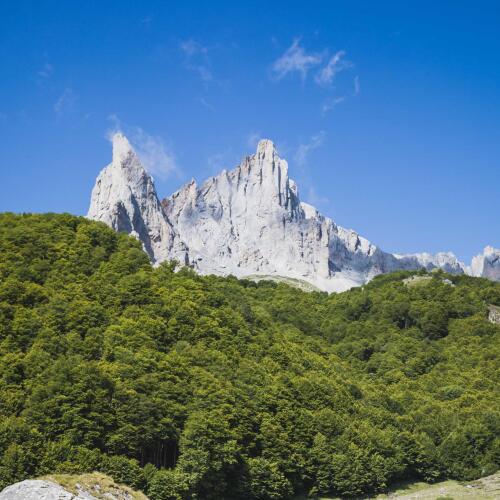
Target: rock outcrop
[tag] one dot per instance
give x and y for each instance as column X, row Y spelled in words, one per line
column 92, row 486
column 494, row 314
column 124, row 197
column 446, row 261
column 36, row 489
column 487, row 264
column 247, row 221
column 250, row 221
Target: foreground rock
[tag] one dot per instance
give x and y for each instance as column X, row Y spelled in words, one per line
column 95, row 486
column 35, row 489
column 250, row 222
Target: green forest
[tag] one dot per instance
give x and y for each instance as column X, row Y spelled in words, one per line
column 192, row 387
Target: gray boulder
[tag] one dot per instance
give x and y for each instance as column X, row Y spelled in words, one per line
column 37, row 489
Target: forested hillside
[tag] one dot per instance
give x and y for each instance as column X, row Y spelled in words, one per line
column 210, row 388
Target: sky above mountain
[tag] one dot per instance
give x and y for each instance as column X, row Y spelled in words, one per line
column 387, row 112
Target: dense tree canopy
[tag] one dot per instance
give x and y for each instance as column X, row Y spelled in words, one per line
column 210, row 388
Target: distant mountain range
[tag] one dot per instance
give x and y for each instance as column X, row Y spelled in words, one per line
column 250, row 222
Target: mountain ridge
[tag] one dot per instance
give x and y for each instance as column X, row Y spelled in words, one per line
column 251, row 221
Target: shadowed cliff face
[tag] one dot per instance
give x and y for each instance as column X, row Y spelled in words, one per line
column 247, row 221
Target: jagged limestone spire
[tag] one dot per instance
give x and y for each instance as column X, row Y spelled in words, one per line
column 266, row 149
column 124, row 197
column 121, row 147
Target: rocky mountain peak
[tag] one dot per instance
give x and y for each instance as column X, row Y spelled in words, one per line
column 486, row 264
column 490, row 251
column 122, row 149
column 250, row 221
column 264, row 177
column 124, row 197
column 266, row 149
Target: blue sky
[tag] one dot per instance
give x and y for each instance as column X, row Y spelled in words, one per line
column 388, row 112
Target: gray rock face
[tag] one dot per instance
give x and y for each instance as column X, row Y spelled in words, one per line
column 36, row 489
column 441, row 260
column 124, row 197
column 487, row 264
column 494, row 314
column 248, row 221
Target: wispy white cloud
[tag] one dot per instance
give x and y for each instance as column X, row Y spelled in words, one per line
column 253, row 139
column 302, row 160
column 65, row 102
column 295, row 59
column 206, row 104
column 226, row 159
column 326, row 68
column 196, row 59
column 315, row 199
column 116, row 126
column 203, row 71
column 357, row 88
column 304, row 149
column 156, row 155
column 335, row 65
column 191, row 47
column 331, row 103
column 46, row 71
column 216, row 162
